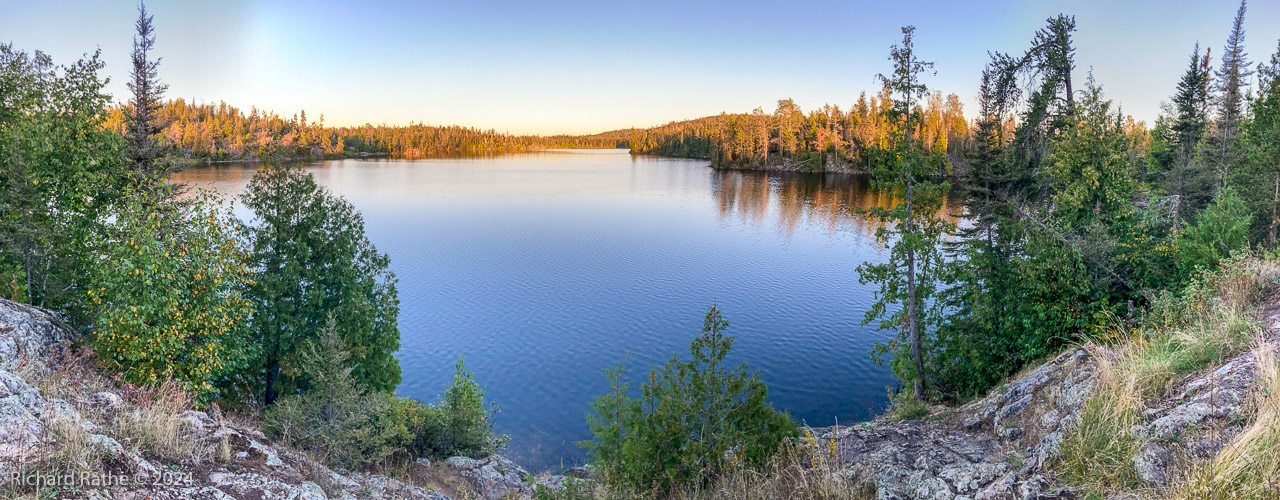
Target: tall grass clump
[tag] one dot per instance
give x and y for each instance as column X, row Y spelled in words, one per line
column 1098, row 451
column 806, row 468
column 1211, row 320
column 153, row 424
column 1248, row 466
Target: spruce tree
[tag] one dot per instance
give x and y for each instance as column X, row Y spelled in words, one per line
column 1223, row 151
column 142, row 116
column 1186, row 176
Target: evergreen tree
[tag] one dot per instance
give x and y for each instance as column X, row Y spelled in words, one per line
column 315, row 263
column 1184, row 176
column 912, row 230
column 1223, row 152
column 1089, row 169
column 689, row 423
column 1260, row 181
column 1047, row 68
column 975, row 347
column 143, row 121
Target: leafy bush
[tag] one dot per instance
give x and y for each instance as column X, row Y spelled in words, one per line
column 337, row 419
column 693, row 420
column 60, row 168
column 165, row 297
column 1221, row 229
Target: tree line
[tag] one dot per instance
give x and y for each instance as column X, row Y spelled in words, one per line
column 188, row 131
column 827, row 138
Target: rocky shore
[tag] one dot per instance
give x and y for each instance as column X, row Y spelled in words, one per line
column 222, row 459
column 999, row 447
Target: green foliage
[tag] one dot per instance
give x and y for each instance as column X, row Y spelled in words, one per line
column 1223, row 228
column 336, row 418
column 906, row 406
column 912, row 229
column 1182, row 172
column 468, row 425
column 691, row 420
column 316, row 263
column 1089, row 166
column 1259, row 178
column 165, row 295
column 1056, row 252
column 59, row 171
column 339, row 419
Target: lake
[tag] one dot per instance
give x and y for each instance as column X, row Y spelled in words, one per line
column 542, row 269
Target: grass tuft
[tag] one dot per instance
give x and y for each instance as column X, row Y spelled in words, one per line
column 1248, row 466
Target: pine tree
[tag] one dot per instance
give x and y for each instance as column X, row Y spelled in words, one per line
column 912, row 229
column 143, row 119
column 1047, row 68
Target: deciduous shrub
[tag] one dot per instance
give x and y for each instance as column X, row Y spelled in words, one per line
column 165, row 297
column 691, row 421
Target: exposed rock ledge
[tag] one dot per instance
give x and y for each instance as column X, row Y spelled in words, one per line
column 994, row 448
column 31, row 427
column 1000, row 447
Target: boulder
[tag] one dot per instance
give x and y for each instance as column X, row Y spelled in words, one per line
column 28, row 333
column 493, row 477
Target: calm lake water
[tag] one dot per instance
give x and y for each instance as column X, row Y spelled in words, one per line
column 542, row 269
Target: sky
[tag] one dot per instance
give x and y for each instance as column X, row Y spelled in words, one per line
column 563, row 66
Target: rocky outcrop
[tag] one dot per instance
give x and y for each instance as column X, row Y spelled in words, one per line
column 228, row 461
column 1195, row 422
column 993, row 448
column 28, row 334
column 1001, row 447
column 496, row 477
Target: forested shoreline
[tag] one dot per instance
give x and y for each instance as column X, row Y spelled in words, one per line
column 1081, row 226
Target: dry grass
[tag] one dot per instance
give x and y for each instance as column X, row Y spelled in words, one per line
column 1248, row 466
column 1212, row 323
column 1098, row 451
column 1217, row 321
column 806, row 470
column 152, row 424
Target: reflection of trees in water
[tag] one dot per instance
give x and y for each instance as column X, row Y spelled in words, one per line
column 829, row 199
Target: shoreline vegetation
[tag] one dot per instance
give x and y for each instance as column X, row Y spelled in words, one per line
column 1141, row 260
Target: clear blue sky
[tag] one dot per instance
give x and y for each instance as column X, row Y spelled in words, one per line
column 569, row 66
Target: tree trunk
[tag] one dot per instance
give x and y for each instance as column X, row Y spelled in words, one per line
column 1275, row 203
column 913, row 312
column 273, row 375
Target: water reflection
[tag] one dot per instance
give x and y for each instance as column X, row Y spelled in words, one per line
column 803, row 199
